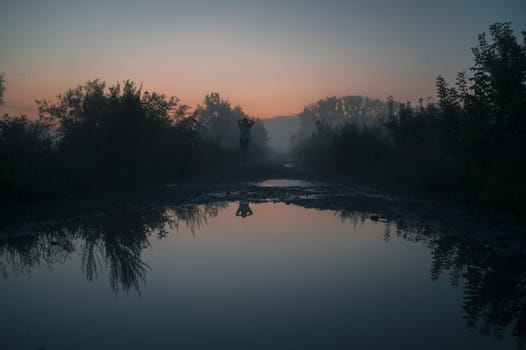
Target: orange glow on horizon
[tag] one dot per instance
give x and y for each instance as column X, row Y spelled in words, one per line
column 262, row 89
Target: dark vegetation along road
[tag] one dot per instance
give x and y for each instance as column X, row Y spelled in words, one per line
column 278, row 180
column 467, row 147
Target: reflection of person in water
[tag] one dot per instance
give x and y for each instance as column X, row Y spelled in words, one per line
column 244, row 210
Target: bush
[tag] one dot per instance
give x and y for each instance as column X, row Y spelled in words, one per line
column 470, row 144
column 27, row 157
column 96, row 138
column 121, row 136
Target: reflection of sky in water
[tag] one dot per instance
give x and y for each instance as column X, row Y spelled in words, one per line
column 284, row 183
column 285, row 277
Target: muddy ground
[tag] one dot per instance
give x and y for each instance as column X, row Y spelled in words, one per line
column 280, row 180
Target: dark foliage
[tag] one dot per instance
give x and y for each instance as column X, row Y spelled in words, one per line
column 26, row 158
column 491, row 274
column 338, row 111
column 110, row 244
column 471, row 143
column 96, row 138
column 121, row 135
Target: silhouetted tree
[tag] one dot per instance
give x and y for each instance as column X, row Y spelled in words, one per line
column 490, row 114
column 472, row 141
column 26, row 157
column 121, row 135
column 335, row 112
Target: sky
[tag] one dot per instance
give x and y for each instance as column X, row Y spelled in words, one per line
column 271, row 57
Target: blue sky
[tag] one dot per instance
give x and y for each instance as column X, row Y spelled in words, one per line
column 271, row 57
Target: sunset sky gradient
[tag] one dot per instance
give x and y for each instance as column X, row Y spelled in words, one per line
column 270, row 57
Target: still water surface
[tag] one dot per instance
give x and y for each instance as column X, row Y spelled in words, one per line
column 279, row 277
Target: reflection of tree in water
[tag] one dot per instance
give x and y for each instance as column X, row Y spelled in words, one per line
column 194, row 217
column 116, row 241
column 494, row 283
column 492, row 273
column 356, row 218
column 21, row 254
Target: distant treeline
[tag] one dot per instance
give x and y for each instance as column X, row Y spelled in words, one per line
column 96, row 138
column 334, row 112
column 471, row 143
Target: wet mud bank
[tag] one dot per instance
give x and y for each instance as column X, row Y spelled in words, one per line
column 282, row 182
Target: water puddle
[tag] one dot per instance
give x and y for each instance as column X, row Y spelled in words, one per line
column 284, row 183
column 241, row 275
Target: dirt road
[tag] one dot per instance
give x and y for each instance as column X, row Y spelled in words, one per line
column 280, row 180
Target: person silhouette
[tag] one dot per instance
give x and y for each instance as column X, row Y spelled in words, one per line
column 244, row 132
column 244, row 210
